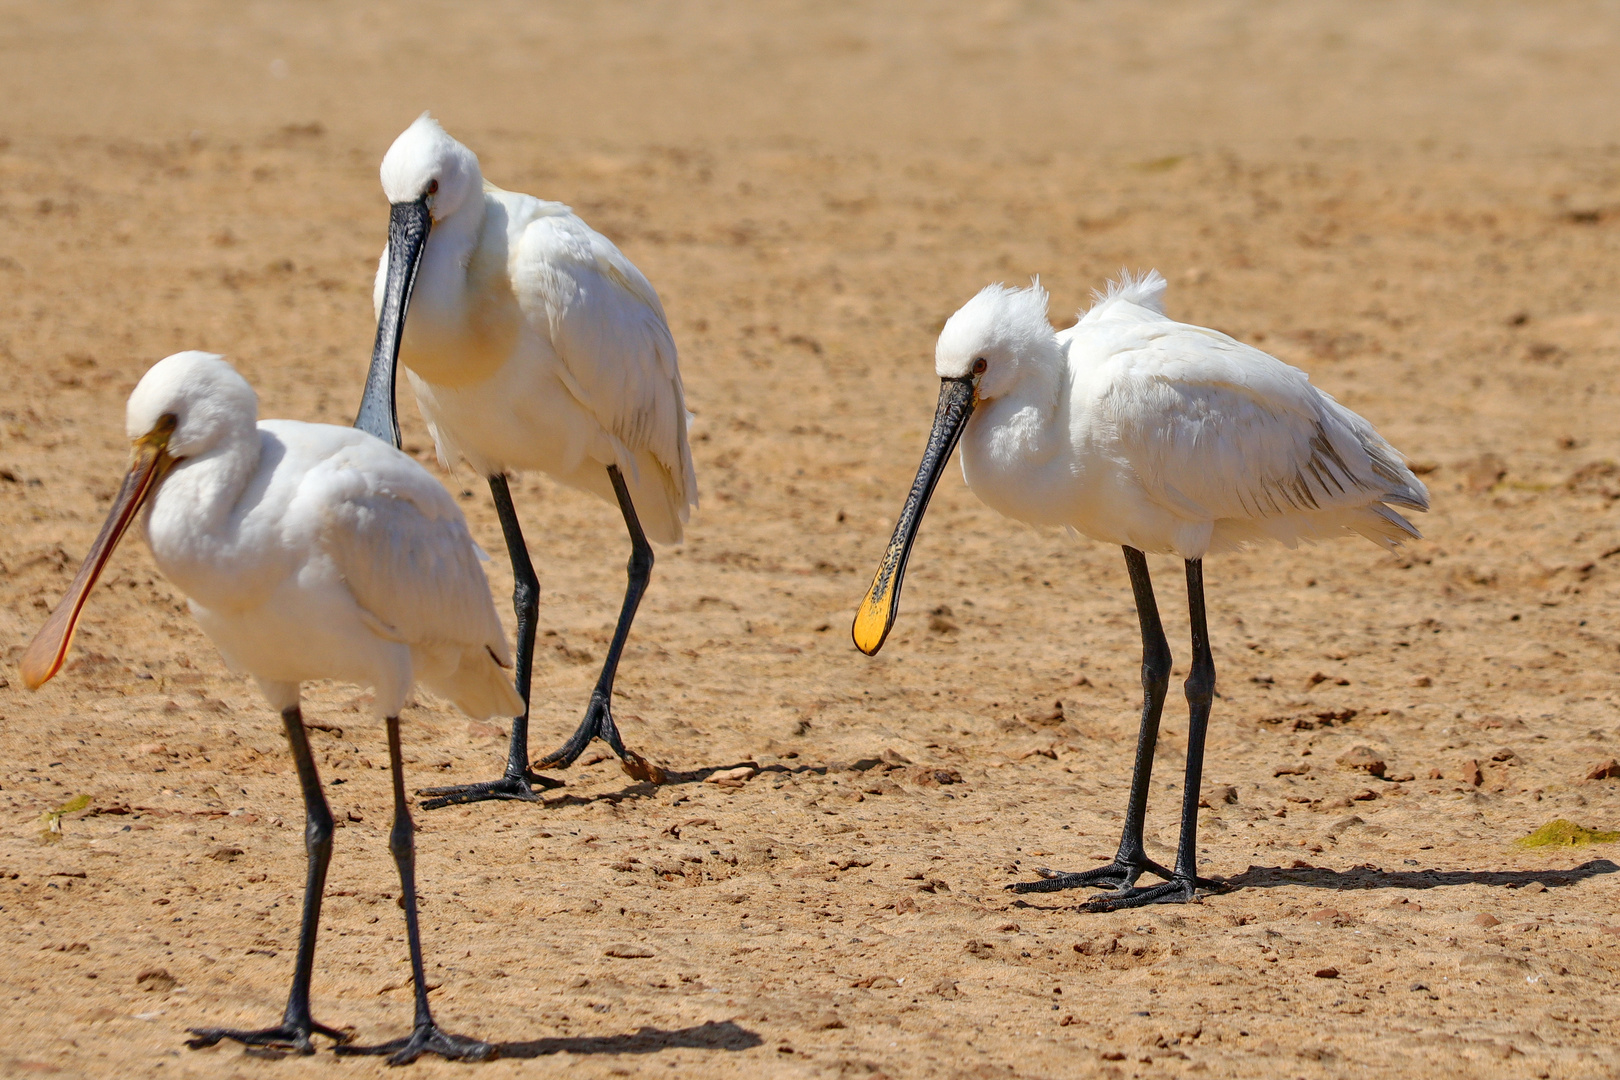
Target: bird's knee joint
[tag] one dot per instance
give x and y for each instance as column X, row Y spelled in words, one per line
column 1200, row 686
column 318, row 834
column 641, row 563
column 1156, row 670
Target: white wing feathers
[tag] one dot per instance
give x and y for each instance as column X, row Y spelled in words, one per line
column 403, row 548
column 607, row 326
column 1247, row 437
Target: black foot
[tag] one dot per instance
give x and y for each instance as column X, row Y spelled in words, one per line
column 286, row 1039
column 426, row 1039
column 1116, row 875
column 1179, row 890
column 598, row 724
column 515, row 788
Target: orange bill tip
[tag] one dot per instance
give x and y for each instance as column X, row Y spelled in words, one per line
column 48, row 651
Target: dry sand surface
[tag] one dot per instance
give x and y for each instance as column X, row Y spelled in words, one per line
column 1417, row 203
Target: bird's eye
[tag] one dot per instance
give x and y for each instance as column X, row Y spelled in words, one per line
column 433, row 187
column 979, row 365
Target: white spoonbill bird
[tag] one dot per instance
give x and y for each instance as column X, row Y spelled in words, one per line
column 533, row 343
column 1159, row 437
column 308, row 551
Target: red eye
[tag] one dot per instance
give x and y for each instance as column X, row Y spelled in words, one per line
column 979, row 365
column 433, row 187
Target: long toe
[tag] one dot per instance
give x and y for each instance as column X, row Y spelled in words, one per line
column 589, row 728
column 507, row 788
column 336, row 1035
column 284, row 1038
column 1087, row 880
column 426, row 1039
column 564, row 755
column 1177, row 891
column 1115, row 875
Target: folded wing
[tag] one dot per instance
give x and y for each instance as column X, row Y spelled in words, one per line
column 403, row 548
column 1216, row 429
column 608, row 327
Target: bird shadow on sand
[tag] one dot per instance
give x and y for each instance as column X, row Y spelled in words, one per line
column 1372, row 877
column 724, row 1035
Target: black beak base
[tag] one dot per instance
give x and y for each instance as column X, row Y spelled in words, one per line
column 881, row 606
column 408, row 226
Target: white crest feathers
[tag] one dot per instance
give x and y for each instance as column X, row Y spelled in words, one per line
column 1144, row 289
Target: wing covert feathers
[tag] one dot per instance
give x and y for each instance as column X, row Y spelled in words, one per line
column 608, row 328
column 403, row 548
column 1217, row 430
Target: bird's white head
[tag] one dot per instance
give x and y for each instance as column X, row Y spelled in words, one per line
column 187, row 405
column 982, row 353
column 425, row 163
column 428, row 177
column 199, row 396
column 993, row 335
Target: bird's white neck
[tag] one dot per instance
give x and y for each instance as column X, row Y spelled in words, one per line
column 1021, row 415
column 449, row 246
column 1014, row 434
column 462, row 312
column 191, row 512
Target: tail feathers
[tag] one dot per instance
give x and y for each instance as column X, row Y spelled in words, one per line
column 663, row 505
column 1376, row 521
column 1384, row 526
column 475, row 684
column 1404, row 488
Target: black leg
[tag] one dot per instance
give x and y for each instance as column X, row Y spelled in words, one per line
column 425, row 1037
column 1131, row 859
column 598, row 720
column 517, row 782
column 296, row 1024
column 1200, row 695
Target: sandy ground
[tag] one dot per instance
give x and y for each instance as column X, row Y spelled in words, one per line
column 1418, row 203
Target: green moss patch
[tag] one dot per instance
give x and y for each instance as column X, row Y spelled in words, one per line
column 1562, row 833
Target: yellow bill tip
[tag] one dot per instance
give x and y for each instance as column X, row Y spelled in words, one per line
column 872, row 622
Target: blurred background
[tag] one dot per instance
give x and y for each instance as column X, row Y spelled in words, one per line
column 1012, row 75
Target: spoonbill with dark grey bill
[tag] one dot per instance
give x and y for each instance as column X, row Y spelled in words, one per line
column 533, row 343
column 1160, row 437
column 308, row 551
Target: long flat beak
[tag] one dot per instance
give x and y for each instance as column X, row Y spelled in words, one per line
column 877, row 612
column 49, row 649
column 408, row 227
